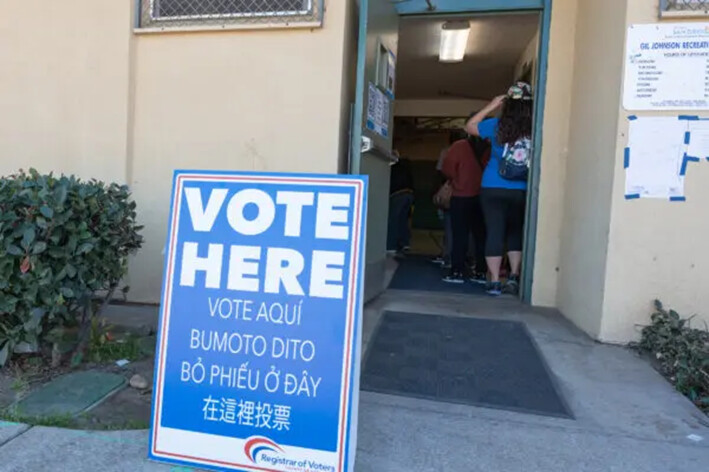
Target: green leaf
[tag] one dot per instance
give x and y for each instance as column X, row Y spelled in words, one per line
column 46, row 211
column 84, row 248
column 39, row 248
column 67, row 292
column 4, row 353
column 14, row 250
column 60, row 194
column 36, row 316
column 76, row 359
column 28, row 237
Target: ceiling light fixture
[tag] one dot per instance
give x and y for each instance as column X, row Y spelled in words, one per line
column 454, row 41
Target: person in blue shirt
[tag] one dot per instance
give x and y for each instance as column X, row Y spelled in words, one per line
column 503, row 199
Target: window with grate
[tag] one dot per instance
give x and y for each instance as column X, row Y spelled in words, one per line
column 684, row 7
column 226, row 13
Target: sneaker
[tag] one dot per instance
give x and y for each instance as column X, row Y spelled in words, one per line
column 454, row 278
column 494, row 289
column 479, row 278
column 391, row 252
column 512, row 285
column 438, row 261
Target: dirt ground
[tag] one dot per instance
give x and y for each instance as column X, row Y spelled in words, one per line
column 128, row 408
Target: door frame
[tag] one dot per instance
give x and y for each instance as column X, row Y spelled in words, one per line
column 420, row 8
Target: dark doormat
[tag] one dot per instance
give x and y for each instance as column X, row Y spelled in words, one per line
column 481, row 362
column 419, row 273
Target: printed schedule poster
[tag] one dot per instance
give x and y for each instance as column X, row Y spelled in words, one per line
column 667, row 67
column 257, row 365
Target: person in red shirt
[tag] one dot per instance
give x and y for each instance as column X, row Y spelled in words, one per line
column 463, row 166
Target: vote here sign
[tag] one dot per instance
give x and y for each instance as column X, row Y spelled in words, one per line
column 257, row 362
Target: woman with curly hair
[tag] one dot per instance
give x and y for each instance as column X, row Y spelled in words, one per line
column 504, row 184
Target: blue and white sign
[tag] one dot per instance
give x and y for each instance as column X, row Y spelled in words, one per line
column 257, row 365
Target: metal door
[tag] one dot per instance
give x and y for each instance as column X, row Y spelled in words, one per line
column 373, row 123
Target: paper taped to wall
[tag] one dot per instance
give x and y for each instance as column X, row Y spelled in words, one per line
column 698, row 145
column 654, row 158
column 378, row 111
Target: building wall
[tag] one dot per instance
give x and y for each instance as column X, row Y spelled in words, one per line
column 349, row 82
column 81, row 93
column 590, row 165
column 555, row 152
column 529, row 56
column 655, row 249
column 447, row 107
column 242, row 100
column 64, row 80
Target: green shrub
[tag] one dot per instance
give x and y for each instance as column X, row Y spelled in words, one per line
column 64, row 245
column 681, row 351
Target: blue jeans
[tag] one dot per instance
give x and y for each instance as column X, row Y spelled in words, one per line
column 445, row 217
column 398, row 233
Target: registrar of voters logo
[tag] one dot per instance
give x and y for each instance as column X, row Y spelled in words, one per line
column 263, row 451
column 258, row 444
column 258, row 350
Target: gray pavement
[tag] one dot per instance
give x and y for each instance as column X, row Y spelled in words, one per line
column 627, row 417
column 9, row 431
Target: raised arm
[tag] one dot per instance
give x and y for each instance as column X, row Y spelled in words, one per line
column 471, row 127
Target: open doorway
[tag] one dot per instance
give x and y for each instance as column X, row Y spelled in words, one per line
column 433, row 100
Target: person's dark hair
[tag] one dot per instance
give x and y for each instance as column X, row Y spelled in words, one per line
column 479, row 145
column 515, row 121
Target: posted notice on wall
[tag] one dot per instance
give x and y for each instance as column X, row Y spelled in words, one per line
column 667, row 67
column 654, row 158
column 378, row 111
column 698, row 139
column 257, row 365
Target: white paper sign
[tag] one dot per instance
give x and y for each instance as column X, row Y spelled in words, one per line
column 378, row 111
column 654, row 157
column 391, row 74
column 698, row 139
column 667, row 67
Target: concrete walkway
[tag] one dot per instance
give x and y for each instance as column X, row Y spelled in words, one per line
column 627, row 417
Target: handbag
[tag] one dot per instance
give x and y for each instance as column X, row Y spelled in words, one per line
column 442, row 198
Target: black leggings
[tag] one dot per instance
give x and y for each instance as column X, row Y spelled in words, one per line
column 504, row 219
column 466, row 216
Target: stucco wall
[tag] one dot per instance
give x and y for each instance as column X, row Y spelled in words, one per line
column 243, row 100
column 655, row 247
column 590, row 163
column 530, row 55
column 81, row 93
column 554, row 152
column 64, row 79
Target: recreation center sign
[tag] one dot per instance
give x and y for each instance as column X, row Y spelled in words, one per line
column 257, row 364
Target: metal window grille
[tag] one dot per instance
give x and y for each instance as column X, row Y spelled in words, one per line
column 165, row 14
column 684, row 7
